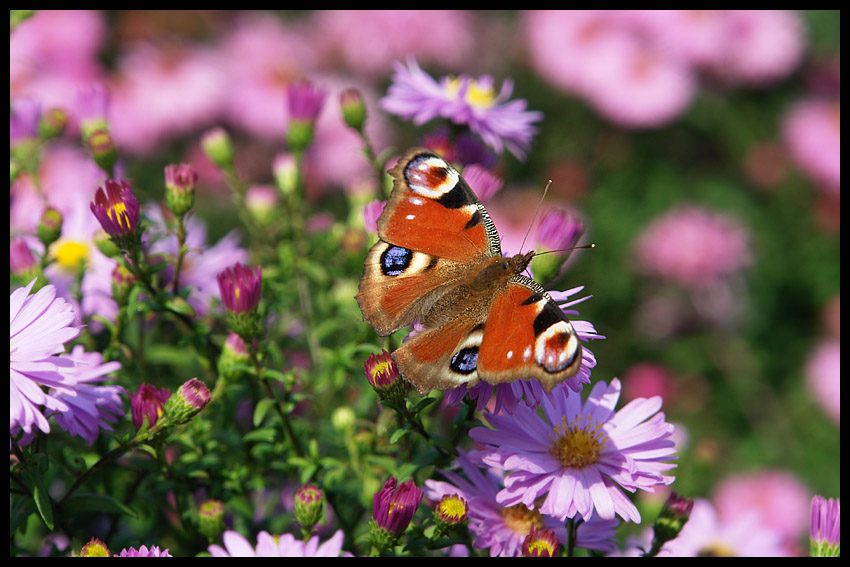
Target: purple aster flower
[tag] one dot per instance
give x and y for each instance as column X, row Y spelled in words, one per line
column 143, row 551
column 240, row 288
column 499, row 122
column 825, row 527
column 235, row 545
column 91, row 407
column 395, row 504
column 39, row 327
column 578, row 457
column 304, row 101
column 501, row 529
column 117, row 210
column 148, row 403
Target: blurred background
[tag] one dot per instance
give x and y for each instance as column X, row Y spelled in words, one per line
column 700, row 149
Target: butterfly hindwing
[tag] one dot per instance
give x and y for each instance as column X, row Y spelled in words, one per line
column 527, row 336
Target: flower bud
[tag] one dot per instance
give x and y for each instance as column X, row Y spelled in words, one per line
column 309, row 507
column 49, row 226
column 180, row 188
column 187, row 402
column 218, row 147
column 211, row 519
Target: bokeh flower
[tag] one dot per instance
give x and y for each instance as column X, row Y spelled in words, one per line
column 823, row 376
column 693, row 246
column 707, row 534
column 501, row 123
column 576, row 460
column 812, row 133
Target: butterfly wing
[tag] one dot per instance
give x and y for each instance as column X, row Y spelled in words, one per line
column 432, row 210
column 527, row 336
column 432, row 230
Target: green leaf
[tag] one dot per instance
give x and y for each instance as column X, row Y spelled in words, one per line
column 399, row 433
column 41, row 497
column 260, row 411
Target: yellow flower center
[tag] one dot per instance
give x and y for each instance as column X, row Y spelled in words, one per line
column 543, row 548
column 71, row 254
column 452, row 508
column 716, row 549
column 520, row 519
column 476, row 95
column 578, row 444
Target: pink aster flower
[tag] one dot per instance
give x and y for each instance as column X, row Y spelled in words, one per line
column 812, row 132
column 693, row 246
column 501, row 123
column 578, row 457
column 823, row 377
column 501, row 529
column 604, row 57
column 92, row 407
column 708, row 534
column 39, row 327
column 779, row 499
column 235, row 545
column 761, row 46
column 367, row 41
column 143, row 551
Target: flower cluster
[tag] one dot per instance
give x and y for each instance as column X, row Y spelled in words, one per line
column 696, row 152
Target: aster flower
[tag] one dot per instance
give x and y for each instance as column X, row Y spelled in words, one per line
column 395, row 504
column 578, row 457
column 540, row 543
column 91, row 408
column 148, row 403
column 501, row 123
column 240, row 288
column 235, row 545
column 501, row 529
column 143, row 551
column 692, row 246
column 117, row 210
column 304, row 101
column 190, row 398
column 39, row 327
column 180, row 187
column 708, row 534
column 825, row 527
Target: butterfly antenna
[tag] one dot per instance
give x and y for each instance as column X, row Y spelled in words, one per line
column 536, row 211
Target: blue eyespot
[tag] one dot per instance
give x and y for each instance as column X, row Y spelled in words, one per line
column 465, row 361
column 395, row 260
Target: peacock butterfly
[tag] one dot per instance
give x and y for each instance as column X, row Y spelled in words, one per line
column 439, row 260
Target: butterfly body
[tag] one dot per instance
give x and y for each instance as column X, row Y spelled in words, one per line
column 439, row 262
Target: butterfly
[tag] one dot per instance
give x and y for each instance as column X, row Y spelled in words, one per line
column 439, row 261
